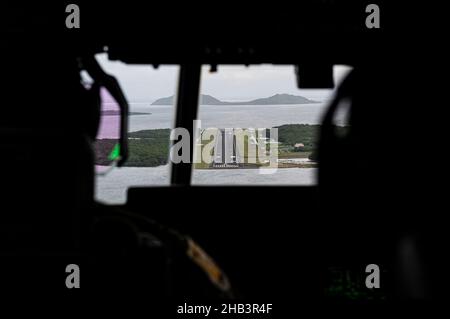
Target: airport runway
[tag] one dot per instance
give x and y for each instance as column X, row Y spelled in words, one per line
column 226, row 154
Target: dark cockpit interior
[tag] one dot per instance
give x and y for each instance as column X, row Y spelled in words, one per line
column 377, row 199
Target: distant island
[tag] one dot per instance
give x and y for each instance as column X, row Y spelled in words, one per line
column 277, row 99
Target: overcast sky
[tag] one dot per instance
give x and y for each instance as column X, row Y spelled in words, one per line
column 145, row 84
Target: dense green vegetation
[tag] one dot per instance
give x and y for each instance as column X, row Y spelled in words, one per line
column 151, row 134
column 277, row 99
column 148, row 148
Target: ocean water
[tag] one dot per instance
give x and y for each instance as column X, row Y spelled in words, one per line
column 112, row 188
